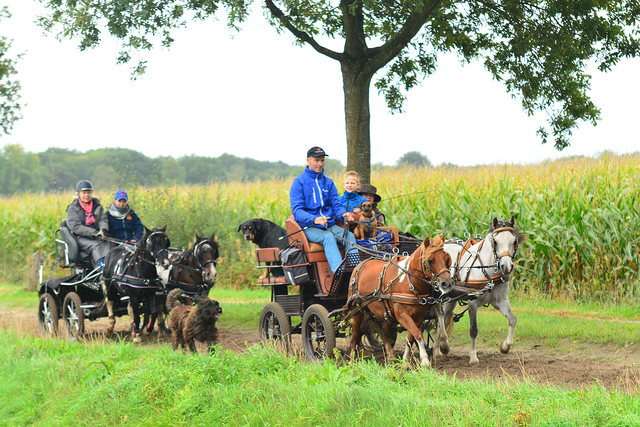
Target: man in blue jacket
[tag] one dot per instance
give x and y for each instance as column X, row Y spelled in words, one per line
column 315, row 203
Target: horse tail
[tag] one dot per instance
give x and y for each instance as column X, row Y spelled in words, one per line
column 449, row 323
column 173, row 299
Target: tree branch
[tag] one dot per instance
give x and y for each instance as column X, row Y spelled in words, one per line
column 284, row 20
column 380, row 56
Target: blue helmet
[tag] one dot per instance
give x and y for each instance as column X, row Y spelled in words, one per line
column 84, row 185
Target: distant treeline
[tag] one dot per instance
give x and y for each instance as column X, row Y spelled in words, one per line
column 59, row 169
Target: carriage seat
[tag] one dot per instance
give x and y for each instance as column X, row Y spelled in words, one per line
column 70, row 249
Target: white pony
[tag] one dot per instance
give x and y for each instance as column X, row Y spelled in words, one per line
column 485, row 267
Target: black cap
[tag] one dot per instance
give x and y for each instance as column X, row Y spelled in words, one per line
column 369, row 189
column 316, row 152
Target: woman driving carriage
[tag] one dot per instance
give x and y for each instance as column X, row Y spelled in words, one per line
column 88, row 222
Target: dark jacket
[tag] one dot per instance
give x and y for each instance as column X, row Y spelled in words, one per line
column 312, row 195
column 76, row 217
column 127, row 228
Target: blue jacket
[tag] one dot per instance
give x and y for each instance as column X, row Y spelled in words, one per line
column 312, row 195
column 126, row 228
column 352, row 200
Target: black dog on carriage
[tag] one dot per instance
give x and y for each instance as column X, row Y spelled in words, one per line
column 265, row 234
column 132, row 273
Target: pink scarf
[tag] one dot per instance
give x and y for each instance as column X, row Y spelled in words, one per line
column 89, row 218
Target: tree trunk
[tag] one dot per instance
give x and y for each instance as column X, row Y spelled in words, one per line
column 356, row 86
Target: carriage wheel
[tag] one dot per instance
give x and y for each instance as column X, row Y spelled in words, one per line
column 73, row 315
column 48, row 314
column 275, row 326
column 318, row 333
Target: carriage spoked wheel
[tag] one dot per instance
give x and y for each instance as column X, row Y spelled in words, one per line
column 73, row 315
column 48, row 314
column 318, row 333
column 275, row 326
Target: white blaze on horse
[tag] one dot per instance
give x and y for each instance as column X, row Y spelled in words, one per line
column 485, row 267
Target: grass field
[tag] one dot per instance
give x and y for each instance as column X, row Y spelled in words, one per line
column 55, row 382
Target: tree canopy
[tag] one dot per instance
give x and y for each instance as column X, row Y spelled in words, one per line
column 59, row 169
column 9, row 88
column 413, row 158
column 539, row 49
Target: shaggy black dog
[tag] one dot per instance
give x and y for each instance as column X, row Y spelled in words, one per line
column 191, row 323
column 263, row 233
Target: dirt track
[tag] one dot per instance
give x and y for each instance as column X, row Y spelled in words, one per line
column 563, row 365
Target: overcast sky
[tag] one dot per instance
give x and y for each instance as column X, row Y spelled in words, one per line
column 253, row 94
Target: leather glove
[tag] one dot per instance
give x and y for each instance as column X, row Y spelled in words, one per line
column 99, row 233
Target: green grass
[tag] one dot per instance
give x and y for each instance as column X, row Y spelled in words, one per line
column 242, row 307
column 551, row 323
column 54, row 382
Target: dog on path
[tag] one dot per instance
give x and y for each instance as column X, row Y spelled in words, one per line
column 191, row 323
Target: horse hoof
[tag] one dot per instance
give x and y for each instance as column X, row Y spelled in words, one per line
column 444, row 349
column 149, row 328
column 136, row 337
column 504, row 348
column 474, row 362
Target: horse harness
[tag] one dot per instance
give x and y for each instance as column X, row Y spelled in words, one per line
column 127, row 259
column 488, row 280
column 385, row 294
column 190, row 270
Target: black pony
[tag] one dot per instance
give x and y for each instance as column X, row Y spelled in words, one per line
column 192, row 271
column 132, row 273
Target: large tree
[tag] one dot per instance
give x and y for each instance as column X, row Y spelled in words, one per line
column 539, row 49
column 9, row 88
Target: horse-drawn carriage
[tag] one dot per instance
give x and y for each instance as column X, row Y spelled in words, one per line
column 73, row 298
column 313, row 293
column 127, row 284
column 392, row 291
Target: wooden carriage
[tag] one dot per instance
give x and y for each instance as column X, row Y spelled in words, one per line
column 318, row 302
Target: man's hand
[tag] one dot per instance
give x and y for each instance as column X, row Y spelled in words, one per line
column 99, row 234
column 321, row 220
column 348, row 216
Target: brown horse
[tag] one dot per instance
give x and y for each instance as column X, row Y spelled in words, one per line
column 398, row 291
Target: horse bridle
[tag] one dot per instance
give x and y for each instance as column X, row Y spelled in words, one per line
column 424, row 260
column 148, row 244
column 195, row 254
column 494, row 233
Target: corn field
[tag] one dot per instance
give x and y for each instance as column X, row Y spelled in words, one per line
column 580, row 217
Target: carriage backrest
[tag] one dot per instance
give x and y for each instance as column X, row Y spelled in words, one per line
column 72, row 248
column 293, row 227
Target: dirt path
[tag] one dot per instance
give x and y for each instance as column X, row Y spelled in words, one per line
column 566, row 364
